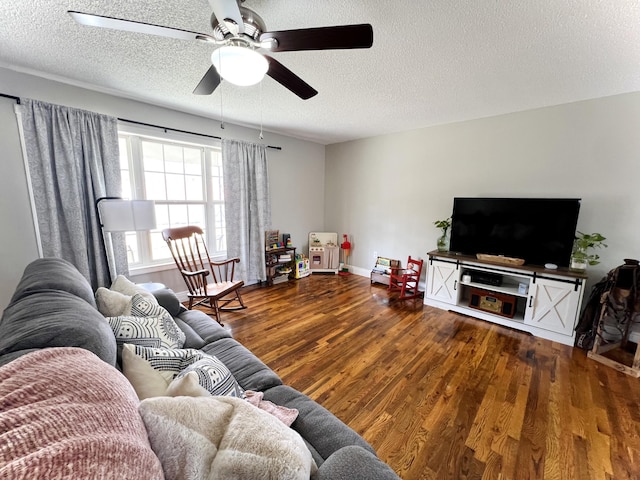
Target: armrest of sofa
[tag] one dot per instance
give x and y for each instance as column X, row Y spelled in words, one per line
column 354, row 463
column 318, row 426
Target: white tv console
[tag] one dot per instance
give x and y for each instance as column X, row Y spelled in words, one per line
column 546, row 303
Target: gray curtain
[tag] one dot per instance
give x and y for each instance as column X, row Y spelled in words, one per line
column 73, row 160
column 247, row 205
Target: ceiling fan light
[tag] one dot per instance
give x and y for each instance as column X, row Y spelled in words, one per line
column 239, row 65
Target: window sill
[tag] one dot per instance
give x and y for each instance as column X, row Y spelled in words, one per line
column 151, row 268
column 160, row 267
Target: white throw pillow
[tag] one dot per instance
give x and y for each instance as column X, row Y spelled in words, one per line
column 123, row 285
column 186, row 386
column 146, row 380
column 111, row 303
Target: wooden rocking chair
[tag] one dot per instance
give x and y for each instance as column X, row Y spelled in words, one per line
column 189, row 250
column 406, row 279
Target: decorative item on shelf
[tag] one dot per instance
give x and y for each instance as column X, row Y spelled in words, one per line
column 346, row 251
column 271, row 239
column 580, row 258
column 286, row 240
column 500, row 259
column 443, row 225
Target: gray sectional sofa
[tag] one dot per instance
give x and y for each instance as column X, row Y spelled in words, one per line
column 54, row 306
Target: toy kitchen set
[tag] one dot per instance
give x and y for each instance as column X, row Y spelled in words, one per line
column 324, row 252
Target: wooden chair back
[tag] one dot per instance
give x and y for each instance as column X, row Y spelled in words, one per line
column 407, row 279
column 189, row 251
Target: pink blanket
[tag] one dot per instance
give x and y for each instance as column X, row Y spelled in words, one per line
column 284, row 414
column 64, row 413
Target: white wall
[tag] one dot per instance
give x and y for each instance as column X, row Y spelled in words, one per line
column 296, row 171
column 387, row 191
column 17, row 239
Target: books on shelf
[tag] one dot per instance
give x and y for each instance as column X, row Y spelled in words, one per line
column 284, row 258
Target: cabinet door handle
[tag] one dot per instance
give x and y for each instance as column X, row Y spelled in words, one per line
column 455, row 284
column 531, row 301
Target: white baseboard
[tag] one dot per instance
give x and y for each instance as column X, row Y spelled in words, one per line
column 362, row 272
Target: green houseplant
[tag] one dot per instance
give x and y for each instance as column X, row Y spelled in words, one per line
column 583, row 243
column 443, row 225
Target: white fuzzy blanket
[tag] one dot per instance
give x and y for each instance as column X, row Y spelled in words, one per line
column 207, row 438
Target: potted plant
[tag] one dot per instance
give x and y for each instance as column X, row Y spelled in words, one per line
column 443, row 225
column 580, row 256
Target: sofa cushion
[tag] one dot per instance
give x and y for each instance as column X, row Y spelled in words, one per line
column 248, row 370
column 168, row 300
column 206, row 327
column 64, row 413
column 191, row 338
column 324, row 431
column 355, row 463
column 53, row 274
column 55, row 319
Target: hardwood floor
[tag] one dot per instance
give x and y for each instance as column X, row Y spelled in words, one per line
column 440, row 395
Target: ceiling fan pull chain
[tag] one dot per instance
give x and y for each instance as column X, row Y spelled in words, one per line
column 261, row 136
column 221, row 105
column 221, row 111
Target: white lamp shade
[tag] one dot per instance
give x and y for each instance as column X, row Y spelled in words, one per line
column 239, row 65
column 127, row 215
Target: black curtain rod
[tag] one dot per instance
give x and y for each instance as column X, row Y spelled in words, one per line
column 13, row 97
column 17, row 100
column 181, row 131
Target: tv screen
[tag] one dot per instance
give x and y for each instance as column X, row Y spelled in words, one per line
column 539, row 230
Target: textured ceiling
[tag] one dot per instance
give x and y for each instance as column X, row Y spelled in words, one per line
column 432, row 62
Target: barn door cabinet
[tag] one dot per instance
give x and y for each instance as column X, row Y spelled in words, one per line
column 543, row 302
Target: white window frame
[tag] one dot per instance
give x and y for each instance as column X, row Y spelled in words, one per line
column 135, row 134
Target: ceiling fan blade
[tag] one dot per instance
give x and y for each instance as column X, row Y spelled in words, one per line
column 322, row 38
column 226, row 10
column 209, row 82
column 138, row 27
column 288, row 79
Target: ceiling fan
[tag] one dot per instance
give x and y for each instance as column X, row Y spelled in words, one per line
column 241, row 36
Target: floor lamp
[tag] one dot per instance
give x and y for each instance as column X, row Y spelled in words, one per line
column 118, row 215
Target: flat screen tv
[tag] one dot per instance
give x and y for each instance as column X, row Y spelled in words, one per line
column 539, row 230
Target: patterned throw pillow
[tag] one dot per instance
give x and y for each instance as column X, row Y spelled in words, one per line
column 170, row 364
column 214, row 377
column 142, row 306
column 160, row 331
column 147, row 324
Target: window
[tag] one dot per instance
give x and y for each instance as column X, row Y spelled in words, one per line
column 184, row 180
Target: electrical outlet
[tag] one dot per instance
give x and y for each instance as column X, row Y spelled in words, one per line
column 375, row 255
